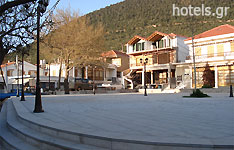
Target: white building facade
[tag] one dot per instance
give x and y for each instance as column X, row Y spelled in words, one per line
column 214, row 47
column 160, row 52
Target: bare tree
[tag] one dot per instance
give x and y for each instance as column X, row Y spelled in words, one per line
column 5, row 5
column 75, row 41
column 17, row 25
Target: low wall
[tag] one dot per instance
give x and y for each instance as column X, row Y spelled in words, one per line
column 225, row 89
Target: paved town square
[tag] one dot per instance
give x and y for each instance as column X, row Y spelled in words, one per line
column 165, row 118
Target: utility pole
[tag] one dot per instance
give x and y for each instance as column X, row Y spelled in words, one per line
column 194, row 62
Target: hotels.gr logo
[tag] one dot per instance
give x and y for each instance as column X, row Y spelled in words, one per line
column 220, row 12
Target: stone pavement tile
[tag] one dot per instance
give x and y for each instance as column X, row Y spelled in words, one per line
column 157, row 117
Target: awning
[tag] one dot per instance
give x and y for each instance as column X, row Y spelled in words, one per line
column 14, row 81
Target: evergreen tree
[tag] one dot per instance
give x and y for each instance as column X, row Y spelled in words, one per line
column 208, row 77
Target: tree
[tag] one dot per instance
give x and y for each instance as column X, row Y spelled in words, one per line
column 208, row 77
column 7, row 5
column 17, row 25
column 74, row 41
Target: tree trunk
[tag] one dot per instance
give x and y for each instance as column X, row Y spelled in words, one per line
column 3, row 52
column 60, row 71
column 3, row 77
column 66, row 83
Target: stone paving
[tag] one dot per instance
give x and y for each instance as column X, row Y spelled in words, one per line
column 166, row 118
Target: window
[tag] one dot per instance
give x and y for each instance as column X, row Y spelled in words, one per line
column 117, row 62
column 134, row 47
column 97, row 73
column 32, row 73
column 198, row 51
column 9, row 72
column 232, row 46
column 139, row 46
column 163, row 58
column 220, row 50
column 101, row 74
column 169, row 42
column 161, row 43
column 54, row 72
column 118, row 74
column 143, row 46
column 210, row 51
column 155, row 59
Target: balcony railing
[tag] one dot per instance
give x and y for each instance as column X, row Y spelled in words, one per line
column 225, row 55
column 151, row 49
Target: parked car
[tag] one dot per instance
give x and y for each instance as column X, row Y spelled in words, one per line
column 81, row 84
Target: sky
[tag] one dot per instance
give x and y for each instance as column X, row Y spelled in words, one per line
column 84, row 6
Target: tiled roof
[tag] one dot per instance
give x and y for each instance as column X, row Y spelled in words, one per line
column 135, row 39
column 9, row 63
column 153, row 37
column 220, row 30
column 113, row 53
column 156, row 35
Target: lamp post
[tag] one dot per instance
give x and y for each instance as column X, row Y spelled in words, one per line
column 94, row 74
column 42, row 4
column 144, row 63
column 17, row 64
column 22, row 90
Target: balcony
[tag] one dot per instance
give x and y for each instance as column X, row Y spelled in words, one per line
column 152, row 49
column 155, row 59
column 211, row 57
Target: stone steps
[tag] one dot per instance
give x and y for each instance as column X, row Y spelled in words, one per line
column 8, row 140
column 41, row 139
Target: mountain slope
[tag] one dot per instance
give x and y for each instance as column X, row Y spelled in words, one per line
column 142, row 17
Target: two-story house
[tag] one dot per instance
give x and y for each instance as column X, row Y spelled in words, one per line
column 160, row 52
column 214, row 47
column 117, row 62
column 12, row 73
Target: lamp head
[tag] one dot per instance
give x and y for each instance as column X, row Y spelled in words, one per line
column 146, row 60
column 141, row 60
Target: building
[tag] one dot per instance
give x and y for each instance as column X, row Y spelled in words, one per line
column 160, row 52
column 117, row 62
column 12, row 74
column 214, row 48
column 110, row 72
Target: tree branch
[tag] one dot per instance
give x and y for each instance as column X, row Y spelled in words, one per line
column 8, row 5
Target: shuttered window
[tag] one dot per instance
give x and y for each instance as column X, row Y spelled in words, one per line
column 198, row 51
column 210, row 51
column 220, row 50
column 232, row 46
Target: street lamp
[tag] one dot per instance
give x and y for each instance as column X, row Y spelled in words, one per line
column 22, row 90
column 94, row 88
column 144, row 63
column 42, row 4
column 17, row 64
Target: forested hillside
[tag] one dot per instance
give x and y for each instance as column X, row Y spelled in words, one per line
column 142, row 17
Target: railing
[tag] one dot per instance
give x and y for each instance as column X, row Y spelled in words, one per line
column 151, row 49
column 225, row 55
